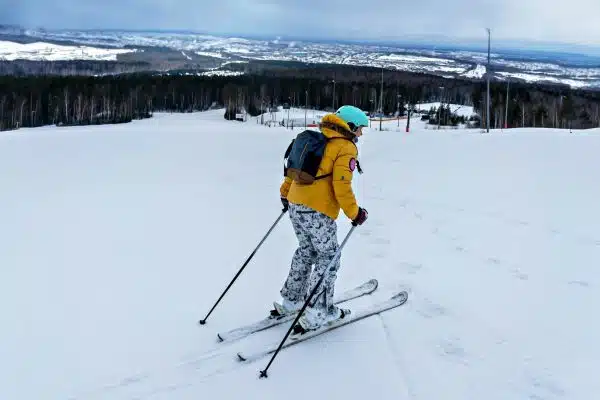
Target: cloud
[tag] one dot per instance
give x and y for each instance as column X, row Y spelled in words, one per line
column 10, row 11
column 575, row 21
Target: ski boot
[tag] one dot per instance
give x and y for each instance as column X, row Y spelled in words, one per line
column 314, row 319
column 285, row 308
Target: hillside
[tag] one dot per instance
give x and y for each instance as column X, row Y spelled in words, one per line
column 197, row 52
column 116, row 239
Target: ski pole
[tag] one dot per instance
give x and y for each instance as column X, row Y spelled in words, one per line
column 263, row 373
column 203, row 321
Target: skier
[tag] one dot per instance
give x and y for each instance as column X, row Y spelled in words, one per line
column 313, row 210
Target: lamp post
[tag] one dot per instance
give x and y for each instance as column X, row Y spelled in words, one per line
column 305, row 108
column 398, row 111
column 408, row 117
column 381, row 102
column 440, row 107
column 289, row 106
column 333, row 100
column 506, row 108
column 487, row 114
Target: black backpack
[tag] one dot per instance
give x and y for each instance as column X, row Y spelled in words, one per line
column 303, row 157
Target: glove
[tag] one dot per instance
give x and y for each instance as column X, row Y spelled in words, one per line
column 361, row 217
column 285, row 203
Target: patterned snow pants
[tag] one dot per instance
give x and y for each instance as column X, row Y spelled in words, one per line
column 317, row 237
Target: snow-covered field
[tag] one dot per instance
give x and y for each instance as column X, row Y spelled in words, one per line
column 446, row 63
column 41, row 51
column 115, row 240
column 458, row 109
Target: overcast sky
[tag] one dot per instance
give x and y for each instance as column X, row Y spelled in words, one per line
column 574, row 21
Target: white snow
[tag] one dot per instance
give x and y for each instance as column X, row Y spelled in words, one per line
column 209, row 54
column 458, row 109
column 446, row 64
column 423, row 60
column 115, row 240
column 478, row 72
column 52, row 52
column 540, row 78
column 407, row 58
column 221, row 73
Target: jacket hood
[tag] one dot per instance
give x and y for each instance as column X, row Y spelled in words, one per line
column 333, row 126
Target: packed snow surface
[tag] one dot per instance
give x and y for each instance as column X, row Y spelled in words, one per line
column 116, row 240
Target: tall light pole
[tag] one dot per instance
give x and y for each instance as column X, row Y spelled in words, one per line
column 381, row 102
column 398, row 109
column 305, row 108
column 262, row 109
column 333, row 101
column 408, row 117
column 487, row 114
column 440, row 107
column 506, row 108
column 289, row 106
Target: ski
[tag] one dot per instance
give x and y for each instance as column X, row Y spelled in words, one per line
column 397, row 300
column 235, row 334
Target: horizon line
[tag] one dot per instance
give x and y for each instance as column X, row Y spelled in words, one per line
column 434, row 40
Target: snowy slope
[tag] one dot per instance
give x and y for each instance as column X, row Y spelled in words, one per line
column 115, row 240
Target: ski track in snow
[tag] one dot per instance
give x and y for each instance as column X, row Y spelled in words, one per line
column 400, row 364
column 168, row 379
column 513, row 221
column 438, row 229
column 499, row 263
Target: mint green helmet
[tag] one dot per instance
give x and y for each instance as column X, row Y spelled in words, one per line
column 353, row 116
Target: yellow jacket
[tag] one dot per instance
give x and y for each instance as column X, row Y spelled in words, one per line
column 331, row 193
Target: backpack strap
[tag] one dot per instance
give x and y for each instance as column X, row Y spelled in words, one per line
column 323, row 176
column 360, row 171
column 286, row 155
column 289, row 150
column 327, row 139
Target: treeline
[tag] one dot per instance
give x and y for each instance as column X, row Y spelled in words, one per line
column 529, row 104
column 537, row 106
column 38, row 101
column 81, row 100
column 24, row 68
column 443, row 115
